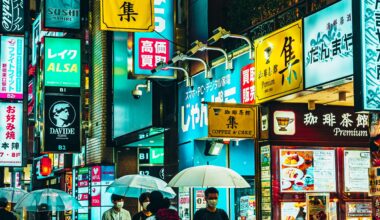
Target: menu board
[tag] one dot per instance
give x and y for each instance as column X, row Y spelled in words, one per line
column 359, row 210
column 266, row 196
column 292, row 210
column 356, row 164
column 307, row 170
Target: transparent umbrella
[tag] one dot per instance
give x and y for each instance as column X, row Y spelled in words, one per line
column 133, row 185
column 12, row 194
column 47, row 200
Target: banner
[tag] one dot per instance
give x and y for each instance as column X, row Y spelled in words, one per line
column 11, row 134
column 130, row 16
column 12, row 67
column 63, row 14
column 247, row 84
column 62, row 62
column 12, row 16
column 328, row 49
column 62, row 124
column 279, row 63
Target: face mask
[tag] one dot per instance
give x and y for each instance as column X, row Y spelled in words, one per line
column 145, row 205
column 119, row 205
column 212, row 203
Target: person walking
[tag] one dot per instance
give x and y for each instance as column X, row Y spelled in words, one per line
column 211, row 212
column 160, row 208
column 144, row 202
column 116, row 212
column 5, row 214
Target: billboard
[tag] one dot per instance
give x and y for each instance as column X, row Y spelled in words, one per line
column 62, row 62
column 328, row 45
column 62, row 124
column 12, row 16
column 11, row 134
column 151, row 48
column 12, row 67
column 64, row 14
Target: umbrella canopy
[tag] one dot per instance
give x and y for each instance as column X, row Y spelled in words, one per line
column 133, row 185
column 47, row 200
column 12, row 194
column 208, row 176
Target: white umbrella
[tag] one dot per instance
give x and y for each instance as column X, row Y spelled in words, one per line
column 133, row 185
column 208, row 176
column 47, row 200
column 12, row 194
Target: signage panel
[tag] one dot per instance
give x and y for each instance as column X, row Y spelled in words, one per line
column 156, row 155
column 356, row 165
column 12, row 16
column 130, row 16
column 62, row 14
column 266, row 196
column 12, row 67
column 328, row 49
column 11, row 134
column 62, row 124
column 151, row 48
column 279, row 63
column 247, row 84
column 374, row 181
column 156, row 171
column 231, row 120
column 62, row 62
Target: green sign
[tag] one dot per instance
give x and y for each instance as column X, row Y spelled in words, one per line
column 156, row 155
column 62, row 65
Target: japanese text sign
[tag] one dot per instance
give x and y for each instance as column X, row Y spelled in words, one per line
column 231, row 120
column 247, row 84
column 62, row 14
column 12, row 67
column 62, row 65
column 155, row 47
column 374, row 181
column 12, row 16
column 328, row 50
column 11, row 134
column 127, row 15
column 367, row 69
column 294, row 122
column 279, row 63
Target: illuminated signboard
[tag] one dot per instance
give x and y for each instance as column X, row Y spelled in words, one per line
column 12, row 16
column 11, row 134
column 62, row 14
column 151, row 48
column 62, row 64
column 12, row 67
column 247, row 84
column 328, row 44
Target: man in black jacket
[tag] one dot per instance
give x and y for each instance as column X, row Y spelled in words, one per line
column 4, row 214
column 211, row 212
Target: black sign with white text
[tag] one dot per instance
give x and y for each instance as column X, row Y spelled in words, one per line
column 12, row 16
column 62, row 124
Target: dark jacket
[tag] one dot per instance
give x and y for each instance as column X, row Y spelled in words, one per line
column 4, row 214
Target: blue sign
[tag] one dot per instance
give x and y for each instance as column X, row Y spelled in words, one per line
column 223, row 87
column 62, row 14
column 151, row 48
column 328, row 49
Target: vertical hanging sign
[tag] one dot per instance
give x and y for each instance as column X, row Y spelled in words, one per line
column 12, row 16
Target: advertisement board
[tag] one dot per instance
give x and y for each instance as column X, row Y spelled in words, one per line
column 12, row 16
column 356, row 165
column 266, row 196
column 317, row 205
column 279, row 63
column 328, row 49
column 184, row 203
column 290, row 210
column 12, row 67
column 374, row 181
column 307, row 170
column 62, row 119
column 358, row 210
column 11, row 115
column 247, row 84
column 64, row 14
column 62, row 62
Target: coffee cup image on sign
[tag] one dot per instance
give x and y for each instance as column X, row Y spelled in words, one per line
column 283, row 122
column 62, row 114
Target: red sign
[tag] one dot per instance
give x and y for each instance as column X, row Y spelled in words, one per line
column 247, row 83
column 83, row 196
column 95, row 197
column 83, row 183
column 152, row 51
column 95, row 175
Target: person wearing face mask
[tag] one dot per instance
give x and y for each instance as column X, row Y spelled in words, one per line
column 116, row 212
column 211, row 212
column 144, row 202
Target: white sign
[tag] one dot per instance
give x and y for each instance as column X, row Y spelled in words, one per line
column 284, row 123
column 356, row 164
column 200, row 201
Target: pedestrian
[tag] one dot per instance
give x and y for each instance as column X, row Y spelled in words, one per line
column 116, row 212
column 211, row 212
column 43, row 213
column 160, row 208
column 5, row 214
column 144, row 202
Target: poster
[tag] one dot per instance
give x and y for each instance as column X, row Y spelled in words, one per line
column 356, row 165
column 359, row 210
column 307, row 170
column 292, row 210
column 376, row 207
column 184, row 203
column 200, row 201
column 266, row 196
column 247, row 207
column 317, row 206
column 374, row 181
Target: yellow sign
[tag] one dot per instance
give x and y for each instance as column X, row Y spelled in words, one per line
column 374, row 181
column 279, row 63
column 231, row 120
column 127, row 15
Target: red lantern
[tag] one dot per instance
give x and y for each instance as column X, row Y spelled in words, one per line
column 45, row 166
